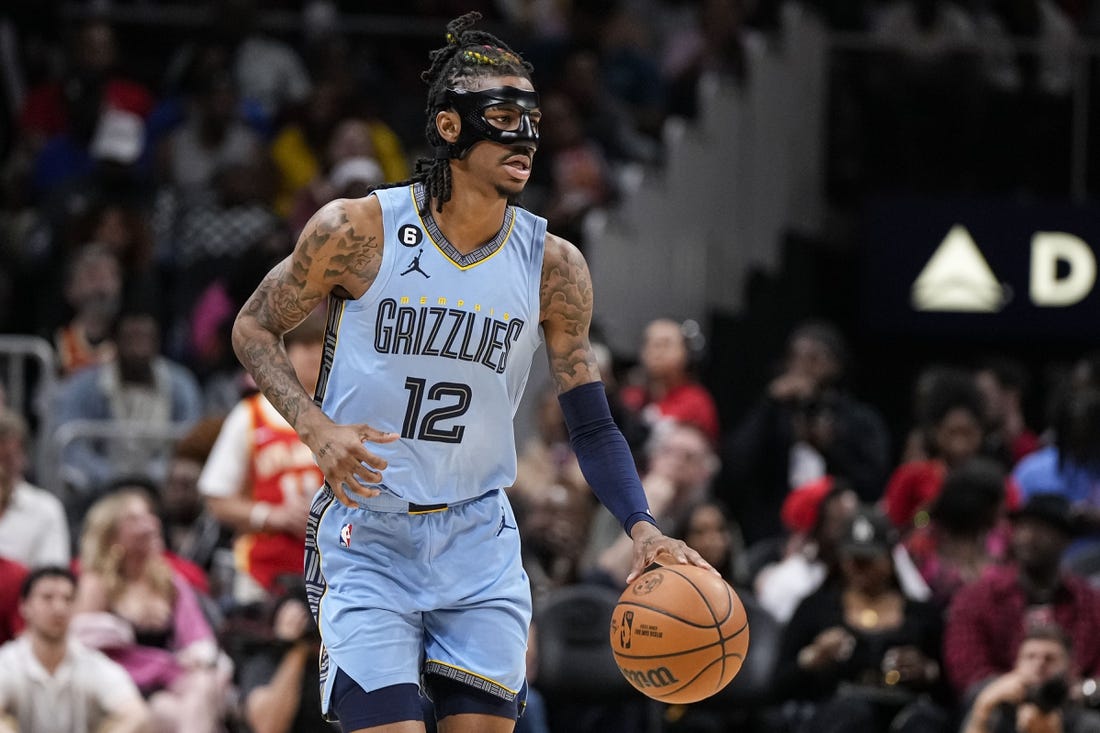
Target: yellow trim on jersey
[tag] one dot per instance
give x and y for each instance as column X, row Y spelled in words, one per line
column 428, row 234
column 471, row 673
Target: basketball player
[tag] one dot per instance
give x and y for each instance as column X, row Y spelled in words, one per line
column 412, row 553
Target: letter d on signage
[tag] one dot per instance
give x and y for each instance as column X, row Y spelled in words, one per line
column 1047, row 249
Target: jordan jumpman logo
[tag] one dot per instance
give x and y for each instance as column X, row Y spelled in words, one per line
column 415, row 266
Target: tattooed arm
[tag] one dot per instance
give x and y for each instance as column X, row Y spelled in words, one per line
column 566, row 304
column 339, row 253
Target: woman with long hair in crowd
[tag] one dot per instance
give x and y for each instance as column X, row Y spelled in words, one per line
column 136, row 608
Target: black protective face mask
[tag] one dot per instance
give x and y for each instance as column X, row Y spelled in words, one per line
column 471, row 108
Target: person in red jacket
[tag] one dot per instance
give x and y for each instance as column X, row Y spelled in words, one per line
column 668, row 389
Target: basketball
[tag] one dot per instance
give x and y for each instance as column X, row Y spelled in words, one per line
column 679, row 633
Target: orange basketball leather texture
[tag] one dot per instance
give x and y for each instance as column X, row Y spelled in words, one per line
column 679, row 633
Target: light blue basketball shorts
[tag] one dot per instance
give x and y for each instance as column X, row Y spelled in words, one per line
column 400, row 594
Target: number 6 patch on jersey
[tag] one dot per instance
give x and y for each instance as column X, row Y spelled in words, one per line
column 410, row 235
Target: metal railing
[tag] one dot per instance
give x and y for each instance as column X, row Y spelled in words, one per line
column 158, row 437
column 24, row 394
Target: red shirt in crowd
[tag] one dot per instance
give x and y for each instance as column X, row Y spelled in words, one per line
column 916, row 484
column 689, row 403
column 11, row 581
column 987, row 621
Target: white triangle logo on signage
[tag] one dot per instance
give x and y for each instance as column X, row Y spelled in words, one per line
column 958, row 279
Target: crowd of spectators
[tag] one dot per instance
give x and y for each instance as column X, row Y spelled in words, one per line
column 921, row 582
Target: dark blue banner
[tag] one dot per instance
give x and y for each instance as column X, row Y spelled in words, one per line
column 994, row 269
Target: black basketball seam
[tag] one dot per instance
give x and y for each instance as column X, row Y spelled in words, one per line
column 713, row 615
column 689, row 581
column 707, row 666
column 664, row 612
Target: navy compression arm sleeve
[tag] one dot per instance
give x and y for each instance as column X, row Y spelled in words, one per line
column 603, row 454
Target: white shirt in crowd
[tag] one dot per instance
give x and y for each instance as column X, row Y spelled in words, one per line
column 33, row 529
column 83, row 691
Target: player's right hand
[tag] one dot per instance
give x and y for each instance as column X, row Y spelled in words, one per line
column 345, row 461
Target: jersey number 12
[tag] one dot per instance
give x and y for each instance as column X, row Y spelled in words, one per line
column 426, row 428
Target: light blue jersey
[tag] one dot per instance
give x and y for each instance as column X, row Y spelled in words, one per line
column 427, row 578
column 438, row 350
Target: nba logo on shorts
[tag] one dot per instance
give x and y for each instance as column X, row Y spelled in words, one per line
column 345, row 536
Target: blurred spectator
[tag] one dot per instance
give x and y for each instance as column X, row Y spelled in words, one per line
column 94, row 292
column 139, row 385
column 1003, row 384
column 191, row 532
column 681, row 464
column 708, row 529
column 718, row 43
column 51, row 683
column 667, row 387
column 306, row 153
column 605, row 118
column 966, row 532
column 124, row 228
column 554, row 523
column 296, row 147
column 33, row 528
column 1035, row 696
column 807, row 425
column 260, row 478
column 90, row 82
column 865, row 655
column 212, row 137
column 151, row 491
column 134, row 607
column 952, row 426
column 212, row 237
column 12, row 575
column 267, row 71
column 988, row 619
column 628, row 59
column 547, row 458
column 349, row 178
column 113, row 145
column 280, row 680
column 579, row 175
column 1071, row 467
column 816, row 515
column 71, row 214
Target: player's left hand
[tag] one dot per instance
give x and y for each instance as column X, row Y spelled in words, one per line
column 649, row 542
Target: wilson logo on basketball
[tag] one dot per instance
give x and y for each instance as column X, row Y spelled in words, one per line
column 659, row 677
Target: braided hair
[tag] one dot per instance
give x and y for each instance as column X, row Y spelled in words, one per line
column 469, row 54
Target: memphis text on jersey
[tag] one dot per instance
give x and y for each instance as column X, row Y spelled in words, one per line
column 439, row 329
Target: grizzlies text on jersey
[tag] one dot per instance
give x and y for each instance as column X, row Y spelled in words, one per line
column 438, row 348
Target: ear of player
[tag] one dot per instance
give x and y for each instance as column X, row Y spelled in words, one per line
column 679, row 633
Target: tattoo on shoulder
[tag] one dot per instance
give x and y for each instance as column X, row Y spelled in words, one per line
column 566, row 302
column 350, row 256
column 566, row 290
